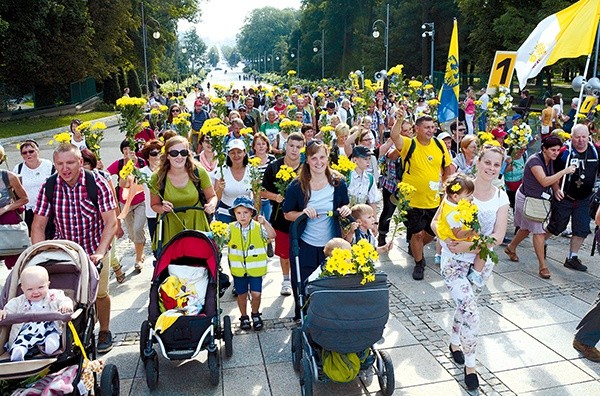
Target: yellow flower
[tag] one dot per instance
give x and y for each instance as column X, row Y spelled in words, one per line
column 344, row 165
column 415, row 84
column 98, row 126
column 428, row 86
column 63, row 137
column 246, row 131
column 406, row 189
column 219, row 228
column 126, row 170
column 455, row 187
column 255, row 162
column 83, row 126
column 433, row 102
column 291, row 73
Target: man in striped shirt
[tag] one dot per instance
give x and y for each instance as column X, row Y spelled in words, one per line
column 92, row 223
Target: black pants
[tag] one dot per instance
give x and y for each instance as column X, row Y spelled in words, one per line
column 386, row 214
column 50, row 228
column 588, row 330
column 310, row 258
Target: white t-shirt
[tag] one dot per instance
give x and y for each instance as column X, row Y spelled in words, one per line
column 363, row 188
column 149, row 212
column 32, row 179
column 80, row 145
column 487, row 218
column 233, row 188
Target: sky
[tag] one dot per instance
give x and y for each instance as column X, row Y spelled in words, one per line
column 221, row 19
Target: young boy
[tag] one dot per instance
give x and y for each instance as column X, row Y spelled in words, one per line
column 364, row 227
column 328, row 250
column 363, row 186
column 458, row 187
column 36, row 297
column 248, row 257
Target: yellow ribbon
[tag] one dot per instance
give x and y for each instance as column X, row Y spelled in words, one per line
column 77, row 341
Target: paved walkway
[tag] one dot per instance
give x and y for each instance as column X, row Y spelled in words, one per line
column 525, row 347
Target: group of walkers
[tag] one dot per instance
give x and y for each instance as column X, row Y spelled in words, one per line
column 391, row 142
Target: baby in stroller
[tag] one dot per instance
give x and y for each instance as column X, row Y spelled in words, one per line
column 36, row 297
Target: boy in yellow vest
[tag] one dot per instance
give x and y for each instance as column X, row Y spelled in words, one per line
column 248, row 257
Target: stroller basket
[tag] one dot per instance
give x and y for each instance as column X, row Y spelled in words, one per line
column 345, row 316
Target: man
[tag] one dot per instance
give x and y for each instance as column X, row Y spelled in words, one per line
column 253, row 112
column 483, row 107
column 426, row 167
column 154, row 84
column 572, row 202
column 279, row 106
column 247, row 119
column 457, row 130
column 346, row 113
column 294, row 144
column 325, row 119
column 523, row 103
column 79, row 219
column 301, row 104
column 569, row 118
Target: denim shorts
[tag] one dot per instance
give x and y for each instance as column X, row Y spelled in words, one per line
column 244, row 283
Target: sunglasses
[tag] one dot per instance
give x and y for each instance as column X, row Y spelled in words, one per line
column 314, row 141
column 154, row 153
column 25, row 152
column 175, row 111
column 461, row 129
column 242, row 110
column 175, row 153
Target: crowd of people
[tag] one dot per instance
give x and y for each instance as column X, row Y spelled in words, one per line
column 338, row 157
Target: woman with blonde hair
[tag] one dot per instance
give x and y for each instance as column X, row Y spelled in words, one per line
column 464, row 162
column 181, row 182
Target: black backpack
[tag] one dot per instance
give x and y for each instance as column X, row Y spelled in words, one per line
column 90, row 186
column 413, row 144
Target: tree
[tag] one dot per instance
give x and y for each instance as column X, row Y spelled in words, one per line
column 195, row 48
column 133, row 82
column 112, row 90
column 231, row 55
column 213, row 56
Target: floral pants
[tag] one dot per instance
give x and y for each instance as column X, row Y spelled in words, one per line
column 465, row 322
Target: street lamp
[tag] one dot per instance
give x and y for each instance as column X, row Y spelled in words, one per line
column 320, row 44
column 297, row 55
column 431, row 33
column 156, row 35
column 273, row 57
column 386, row 25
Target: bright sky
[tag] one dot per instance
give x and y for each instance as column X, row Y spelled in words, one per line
column 221, row 19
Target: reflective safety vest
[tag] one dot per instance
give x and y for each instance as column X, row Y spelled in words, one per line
column 247, row 257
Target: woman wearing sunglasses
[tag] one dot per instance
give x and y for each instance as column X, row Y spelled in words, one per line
column 174, row 111
column 33, row 172
column 316, row 191
column 151, row 153
column 181, row 181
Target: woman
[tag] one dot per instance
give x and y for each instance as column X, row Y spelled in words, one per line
column 207, row 157
column 33, row 172
column 457, row 259
column 464, row 162
column 150, row 153
column 261, row 148
column 10, row 209
column 363, row 137
column 513, row 174
column 234, row 181
column 342, row 131
column 316, row 191
column 470, row 111
column 90, row 162
column 174, row 111
column 181, row 181
column 538, row 177
column 271, row 129
column 308, row 131
column 77, row 138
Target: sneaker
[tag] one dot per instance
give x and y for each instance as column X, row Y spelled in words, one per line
column 270, row 252
column 419, row 270
column 437, row 259
column 286, row 288
column 575, row 263
column 589, row 352
column 475, row 278
column 105, row 342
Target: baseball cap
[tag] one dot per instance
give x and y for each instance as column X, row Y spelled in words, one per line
column 516, row 117
column 236, row 144
column 244, row 201
column 444, row 135
column 242, row 107
column 498, row 133
column 361, row 152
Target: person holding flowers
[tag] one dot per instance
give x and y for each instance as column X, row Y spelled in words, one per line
column 317, row 191
column 364, row 227
column 362, row 186
column 207, row 156
column 458, row 257
column 151, row 153
column 261, row 148
column 199, row 116
column 77, row 138
column 181, row 181
column 271, row 129
column 277, row 177
column 174, row 112
column 465, row 160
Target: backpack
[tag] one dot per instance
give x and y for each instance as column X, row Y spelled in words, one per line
column 201, row 196
column 413, row 145
column 90, row 186
column 20, row 169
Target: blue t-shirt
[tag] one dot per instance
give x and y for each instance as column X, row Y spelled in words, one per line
column 320, row 230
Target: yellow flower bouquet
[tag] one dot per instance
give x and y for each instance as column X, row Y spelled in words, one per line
column 93, row 134
column 360, row 260
column 344, row 166
column 220, row 234
column 467, row 214
column 131, row 116
column 518, row 138
column 216, row 131
column 256, row 177
column 60, row 138
column 289, row 126
column 404, row 193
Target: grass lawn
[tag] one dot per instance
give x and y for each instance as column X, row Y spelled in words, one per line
column 26, row 126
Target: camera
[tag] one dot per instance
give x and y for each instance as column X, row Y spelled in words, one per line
column 575, row 161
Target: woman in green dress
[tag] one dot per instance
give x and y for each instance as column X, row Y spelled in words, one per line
column 180, row 180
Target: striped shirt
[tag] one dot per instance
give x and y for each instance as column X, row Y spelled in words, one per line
column 75, row 216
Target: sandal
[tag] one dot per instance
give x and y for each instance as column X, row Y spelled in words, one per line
column 257, row 322
column 512, row 256
column 544, row 273
column 119, row 274
column 139, row 265
column 245, row 323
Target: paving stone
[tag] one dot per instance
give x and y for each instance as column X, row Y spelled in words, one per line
column 534, row 313
column 541, row 377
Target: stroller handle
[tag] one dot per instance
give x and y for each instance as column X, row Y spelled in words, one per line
column 301, row 219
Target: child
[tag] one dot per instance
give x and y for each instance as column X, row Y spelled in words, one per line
column 458, row 187
column 362, row 187
column 328, row 250
column 36, row 297
column 248, row 257
column 364, row 227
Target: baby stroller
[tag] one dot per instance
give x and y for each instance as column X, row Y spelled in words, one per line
column 190, row 334
column 352, row 327
column 70, row 270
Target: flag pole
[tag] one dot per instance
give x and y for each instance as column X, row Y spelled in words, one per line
column 587, row 66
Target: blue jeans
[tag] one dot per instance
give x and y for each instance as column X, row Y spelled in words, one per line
column 266, row 208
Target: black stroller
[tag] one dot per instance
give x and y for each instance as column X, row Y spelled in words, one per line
column 189, row 334
column 354, row 326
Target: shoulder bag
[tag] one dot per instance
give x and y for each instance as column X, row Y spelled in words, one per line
column 537, row 209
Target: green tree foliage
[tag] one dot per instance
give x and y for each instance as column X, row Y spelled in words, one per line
column 231, row 55
column 133, row 82
column 195, row 48
column 112, row 90
column 213, row 56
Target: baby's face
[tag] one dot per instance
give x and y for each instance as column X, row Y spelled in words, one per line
column 35, row 288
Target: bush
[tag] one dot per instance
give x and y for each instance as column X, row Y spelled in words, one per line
column 133, row 82
column 112, row 90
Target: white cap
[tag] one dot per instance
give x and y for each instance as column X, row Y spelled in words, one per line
column 575, row 101
column 444, row 135
column 236, row 144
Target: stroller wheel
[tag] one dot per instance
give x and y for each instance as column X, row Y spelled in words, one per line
column 306, row 379
column 144, row 338
column 296, row 348
column 227, row 336
column 151, row 368
column 385, row 373
column 109, row 381
column 213, row 368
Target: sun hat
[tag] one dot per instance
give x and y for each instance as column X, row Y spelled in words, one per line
column 244, row 201
column 236, row 144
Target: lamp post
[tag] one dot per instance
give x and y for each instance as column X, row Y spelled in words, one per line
column 386, row 33
column 273, row 57
column 156, row 35
column 429, row 28
column 297, row 55
column 320, row 44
